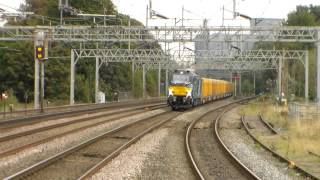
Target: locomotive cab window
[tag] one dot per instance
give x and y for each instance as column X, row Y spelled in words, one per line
column 180, row 79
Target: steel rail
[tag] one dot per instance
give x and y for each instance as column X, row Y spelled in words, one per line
column 48, row 109
column 55, row 108
column 53, row 126
column 44, row 163
column 279, row 156
column 195, row 166
column 49, row 116
column 102, row 163
column 267, row 125
column 41, row 141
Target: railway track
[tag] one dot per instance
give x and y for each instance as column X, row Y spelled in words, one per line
column 213, row 160
column 32, row 112
column 66, row 112
column 86, row 158
column 45, row 134
column 270, row 130
column 29, row 112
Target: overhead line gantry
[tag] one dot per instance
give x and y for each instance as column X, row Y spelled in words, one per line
column 168, row 35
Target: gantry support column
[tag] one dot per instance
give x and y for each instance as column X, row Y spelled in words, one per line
column 318, row 67
column 167, row 83
column 96, row 92
column 240, row 83
column 235, row 86
column 72, row 76
column 159, row 81
column 254, row 82
column 144, row 81
column 306, row 83
column 280, row 78
column 132, row 81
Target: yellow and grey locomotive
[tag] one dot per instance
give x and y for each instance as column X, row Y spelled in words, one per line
column 188, row 89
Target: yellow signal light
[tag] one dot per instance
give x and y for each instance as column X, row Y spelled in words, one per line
column 40, row 54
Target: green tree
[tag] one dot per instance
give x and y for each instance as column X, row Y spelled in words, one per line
column 17, row 65
column 301, row 17
column 294, row 70
column 247, row 87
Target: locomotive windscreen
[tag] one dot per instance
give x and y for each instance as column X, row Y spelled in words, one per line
column 180, row 79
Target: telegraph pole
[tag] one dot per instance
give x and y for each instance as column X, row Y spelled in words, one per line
column 61, row 12
column 182, row 16
column 147, row 13
column 234, row 9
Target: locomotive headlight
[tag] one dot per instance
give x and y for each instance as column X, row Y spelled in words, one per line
column 170, row 93
column 188, row 93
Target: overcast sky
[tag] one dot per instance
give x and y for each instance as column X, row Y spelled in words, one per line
column 200, row 9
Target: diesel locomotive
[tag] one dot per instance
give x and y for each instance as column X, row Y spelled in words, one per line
column 187, row 89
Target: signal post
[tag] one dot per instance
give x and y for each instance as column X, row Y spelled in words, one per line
column 41, row 54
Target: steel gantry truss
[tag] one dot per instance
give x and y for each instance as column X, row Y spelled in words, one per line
column 253, row 60
column 143, row 59
column 233, row 61
column 174, row 34
column 162, row 34
column 150, row 57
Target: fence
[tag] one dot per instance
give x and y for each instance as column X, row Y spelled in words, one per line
column 304, row 110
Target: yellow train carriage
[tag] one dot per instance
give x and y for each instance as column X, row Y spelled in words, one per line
column 214, row 89
column 206, row 87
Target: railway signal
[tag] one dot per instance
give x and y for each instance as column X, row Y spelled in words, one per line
column 40, row 53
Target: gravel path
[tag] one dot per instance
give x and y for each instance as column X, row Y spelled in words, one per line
column 257, row 159
column 158, row 155
column 11, row 164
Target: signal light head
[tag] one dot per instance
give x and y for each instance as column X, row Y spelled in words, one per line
column 40, row 53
